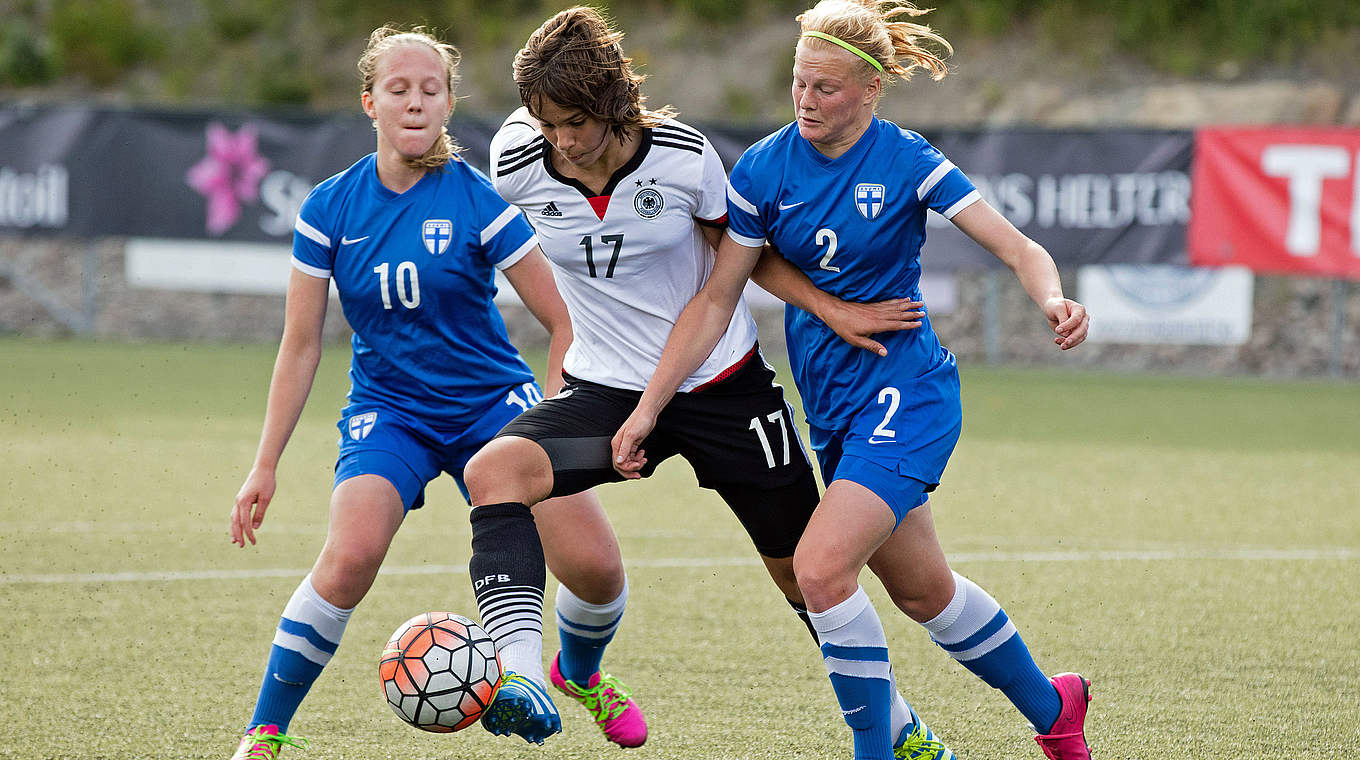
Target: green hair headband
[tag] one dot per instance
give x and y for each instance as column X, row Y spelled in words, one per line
column 847, row 46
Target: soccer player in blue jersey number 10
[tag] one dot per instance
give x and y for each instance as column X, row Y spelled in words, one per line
column 411, row 236
column 843, row 195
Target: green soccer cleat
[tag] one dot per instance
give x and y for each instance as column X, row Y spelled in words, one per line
column 264, row 743
column 916, row 742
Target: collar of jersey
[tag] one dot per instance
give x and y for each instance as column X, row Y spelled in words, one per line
column 630, row 166
column 386, row 193
column 857, row 150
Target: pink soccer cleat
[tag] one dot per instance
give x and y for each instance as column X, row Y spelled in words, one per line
column 1068, row 738
column 608, row 701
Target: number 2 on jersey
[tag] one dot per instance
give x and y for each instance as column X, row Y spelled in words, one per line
column 616, row 240
column 893, row 397
column 827, row 237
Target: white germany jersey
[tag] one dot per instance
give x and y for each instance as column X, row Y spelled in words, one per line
column 629, row 260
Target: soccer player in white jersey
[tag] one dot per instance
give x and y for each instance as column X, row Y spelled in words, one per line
column 843, row 196
column 627, row 204
column 412, row 237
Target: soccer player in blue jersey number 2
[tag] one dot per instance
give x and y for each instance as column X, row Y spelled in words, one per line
column 411, row 236
column 843, row 195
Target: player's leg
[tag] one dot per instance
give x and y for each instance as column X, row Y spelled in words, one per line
column 583, row 553
column 508, row 577
column 965, row 621
column 558, row 448
column 365, row 512
column 848, row 525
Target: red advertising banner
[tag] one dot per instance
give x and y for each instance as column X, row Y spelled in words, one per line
column 1282, row 200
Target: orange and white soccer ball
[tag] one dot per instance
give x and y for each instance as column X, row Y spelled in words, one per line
column 439, row 671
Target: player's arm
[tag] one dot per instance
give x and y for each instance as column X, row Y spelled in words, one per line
column 1032, row 265
column 532, row 279
column 854, row 323
column 697, row 330
column 294, row 371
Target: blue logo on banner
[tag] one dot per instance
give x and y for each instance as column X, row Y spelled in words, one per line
column 869, row 199
column 437, row 233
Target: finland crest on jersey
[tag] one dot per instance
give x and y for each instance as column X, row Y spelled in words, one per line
column 436, row 234
column 360, row 425
column 869, row 199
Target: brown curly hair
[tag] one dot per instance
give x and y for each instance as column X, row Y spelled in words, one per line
column 574, row 59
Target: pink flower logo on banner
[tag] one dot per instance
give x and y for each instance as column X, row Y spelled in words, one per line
column 229, row 175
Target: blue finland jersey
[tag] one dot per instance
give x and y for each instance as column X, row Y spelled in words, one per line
column 415, row 273
column 854, row 225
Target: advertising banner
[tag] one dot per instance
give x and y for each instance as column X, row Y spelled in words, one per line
column 1089, row 196
column 1280, row 200
column 1167, row 304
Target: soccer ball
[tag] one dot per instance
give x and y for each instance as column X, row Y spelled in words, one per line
column 438, row 671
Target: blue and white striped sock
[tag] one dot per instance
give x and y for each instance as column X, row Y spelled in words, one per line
column 855, row 652
column 974, row 630
column 585, row 629
column 307, row 637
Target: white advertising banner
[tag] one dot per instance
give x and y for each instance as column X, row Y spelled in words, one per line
column 1167, row 304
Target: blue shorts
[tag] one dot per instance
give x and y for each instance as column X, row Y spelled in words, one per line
column 382, row 440
column 894, row 447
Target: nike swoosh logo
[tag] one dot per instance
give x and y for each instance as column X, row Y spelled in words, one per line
column 783, row 207
column 285, row 681
column 347, row 241
column 876, row 441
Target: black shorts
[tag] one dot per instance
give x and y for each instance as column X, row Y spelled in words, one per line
column 738, row 434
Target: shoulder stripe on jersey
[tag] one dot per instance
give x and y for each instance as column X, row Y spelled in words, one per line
column 933, row 179
column 689, row 132
column 962, row 204
column 662, row 142
column 519, row 253
column 312, row 233
column 311, row 270
column 741, row 202
column 510, row 153
column 749, row 242
column 519, row 162
column 678, row 134
column 496, row 226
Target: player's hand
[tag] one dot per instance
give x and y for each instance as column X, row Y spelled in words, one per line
column 855, row 323
column 1069, row 321
column 251, row 502
column 628, row 459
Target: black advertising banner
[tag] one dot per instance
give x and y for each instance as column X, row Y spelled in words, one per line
column 1093, row 196
column 1115, row 196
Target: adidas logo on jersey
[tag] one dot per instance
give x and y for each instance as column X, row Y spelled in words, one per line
column 550, row 210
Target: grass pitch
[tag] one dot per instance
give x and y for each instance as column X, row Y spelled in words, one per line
column 1192, row 545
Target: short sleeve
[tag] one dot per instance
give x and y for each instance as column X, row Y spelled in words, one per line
column 744, row 223
column 712, row 202
column 941, row 185
column 504, row 235
column 313, row 248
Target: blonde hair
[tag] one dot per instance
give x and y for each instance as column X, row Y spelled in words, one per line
column 383, row 39
column 900, row 47
column 574, row 59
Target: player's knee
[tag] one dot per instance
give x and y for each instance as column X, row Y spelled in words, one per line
column 823, row 579
column 508, row 469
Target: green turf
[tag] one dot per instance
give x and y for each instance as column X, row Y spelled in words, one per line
column 1191, row 544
